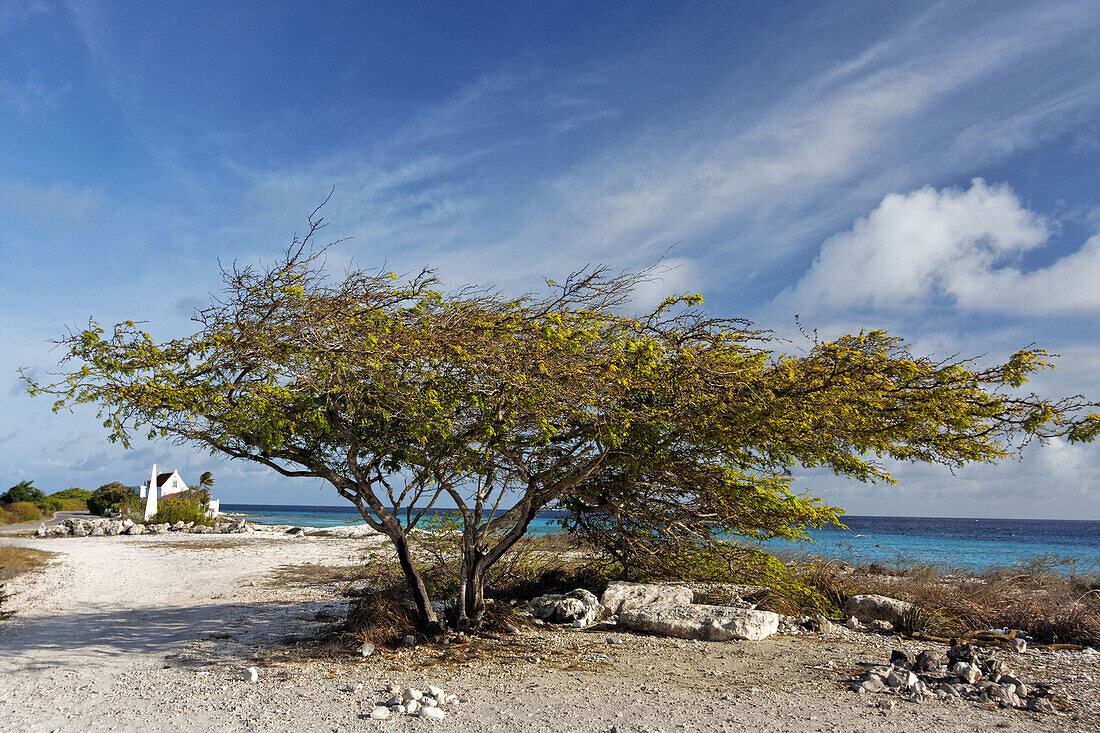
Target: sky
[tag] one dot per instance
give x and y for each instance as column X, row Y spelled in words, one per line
column 928, row 168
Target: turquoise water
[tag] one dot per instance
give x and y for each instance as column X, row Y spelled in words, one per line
column 967, row 543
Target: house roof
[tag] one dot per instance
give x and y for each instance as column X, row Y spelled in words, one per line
column 162, row 477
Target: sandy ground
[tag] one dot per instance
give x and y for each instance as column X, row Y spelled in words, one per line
column 153, row 633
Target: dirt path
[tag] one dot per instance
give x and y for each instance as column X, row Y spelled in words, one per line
column 152, row 634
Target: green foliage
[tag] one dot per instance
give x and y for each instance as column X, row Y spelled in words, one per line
column 114, row 498
column 18, row 512
column 22, row 491
column 71, row 500
column 25, row 493
column 73, row 493
column 187, row 506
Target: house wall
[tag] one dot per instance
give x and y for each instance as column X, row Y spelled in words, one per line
column 173, row 485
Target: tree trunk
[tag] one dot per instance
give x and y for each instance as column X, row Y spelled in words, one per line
column 475, row 566
column 426, row 618
column 471, row 587
column 473, row 594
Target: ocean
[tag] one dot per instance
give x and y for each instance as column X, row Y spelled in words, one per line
column 963, row 543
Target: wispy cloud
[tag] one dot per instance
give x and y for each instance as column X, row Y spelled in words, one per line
column 13, row 13
column 740, row 195
column 30, row 95
column 55, row 201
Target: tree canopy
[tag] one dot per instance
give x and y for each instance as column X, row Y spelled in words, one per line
column 676, row 422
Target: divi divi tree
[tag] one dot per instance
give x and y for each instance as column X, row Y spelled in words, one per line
column 404, row 398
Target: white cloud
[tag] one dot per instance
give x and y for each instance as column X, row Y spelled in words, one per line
column 926, row 246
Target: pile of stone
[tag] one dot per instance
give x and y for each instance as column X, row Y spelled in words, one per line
column 666, row 610
column 966, row 673
column 426, row 703
column 100, row 527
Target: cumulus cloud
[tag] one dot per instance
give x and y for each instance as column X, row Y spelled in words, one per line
column 958, row 246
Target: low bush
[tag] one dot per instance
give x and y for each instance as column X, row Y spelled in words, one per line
column 71, row 500
column 21, row 492
column 187, row 506
column 19, row 512
column 114, row 498
column 13, row 502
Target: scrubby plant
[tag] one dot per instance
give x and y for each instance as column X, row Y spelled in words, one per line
column 113, row 498
column 1045, row 597
column 19, row 512
column 187, row 506
column 22, row 491
column 71, row 500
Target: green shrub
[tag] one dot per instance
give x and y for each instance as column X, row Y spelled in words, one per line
column 113, row 498
column 20, row 511
column 21, row 492
column 187, row 506
column 70, row 500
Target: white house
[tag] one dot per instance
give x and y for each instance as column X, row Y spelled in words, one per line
column 166, row 484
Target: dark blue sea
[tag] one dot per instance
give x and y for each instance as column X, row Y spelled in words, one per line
column 971, row 544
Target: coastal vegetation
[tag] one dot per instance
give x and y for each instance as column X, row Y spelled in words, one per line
column 25, row 503
column 1044, row 597
column 659, row 432
column 114, row 498
column 185, row 506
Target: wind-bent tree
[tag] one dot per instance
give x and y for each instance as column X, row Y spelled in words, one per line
column 675, row 423
column 206, row 479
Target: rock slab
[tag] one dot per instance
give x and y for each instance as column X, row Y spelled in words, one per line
column 621, row 596
column 708, row 623
column 868, row 608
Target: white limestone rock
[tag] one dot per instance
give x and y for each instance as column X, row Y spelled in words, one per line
column 868, row 608
column 621, row 596
column 380, row 713
column 432, row 713
column 411, row 693
column 709, row 623
column 576, row 605
column 251, row 675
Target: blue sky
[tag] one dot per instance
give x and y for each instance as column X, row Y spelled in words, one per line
column 930, row 168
